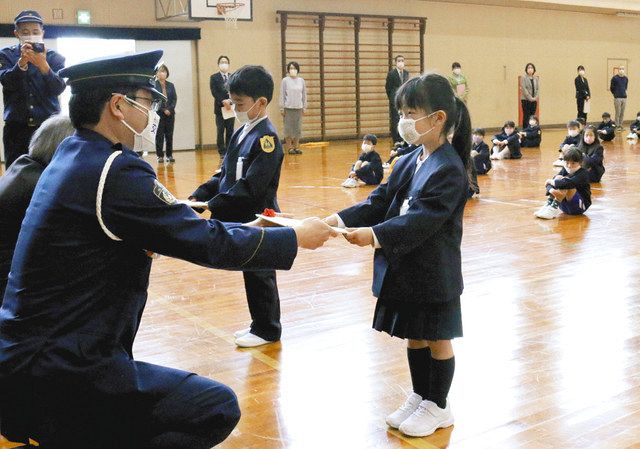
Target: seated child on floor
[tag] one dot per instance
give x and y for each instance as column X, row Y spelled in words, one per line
column 635, row 128
column 531, row 136
column 569, row 190
column 506, row 145
column 607, row 128
column 480, row 154
column 572, row 139
column 399, row 149
column 368, row 167
column 593, row 153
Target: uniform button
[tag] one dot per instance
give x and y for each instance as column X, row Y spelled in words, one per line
column 31, row 107
column 395, row 250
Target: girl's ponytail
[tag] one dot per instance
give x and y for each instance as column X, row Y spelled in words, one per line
column 462, row 132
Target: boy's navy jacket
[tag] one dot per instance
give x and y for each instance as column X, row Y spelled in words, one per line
column 239, row 200
column 483, row 160
column 533, row 135
column 571, row 140
column 514, row 143
column 593, row 160
column 635, row 126
column 579, row 181
column 419, row 260
column 405, row 149
column 373, row 171
column 610, row 129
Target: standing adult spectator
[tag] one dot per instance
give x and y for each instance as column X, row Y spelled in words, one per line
column 167, row 115
column 583, row 93
column 619, row 86
column 30, row 84
column 459, row 82
column 220, row 92
column 395, row 78
column 293, row 105
column 19, row 182
column 529, row 93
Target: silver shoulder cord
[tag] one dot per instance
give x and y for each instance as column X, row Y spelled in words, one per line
column 103, row 179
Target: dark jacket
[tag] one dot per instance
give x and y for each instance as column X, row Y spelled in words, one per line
column 533, row 136
column 582, row 87
column 419, row 260
column 219, row 90
column 514, row 143
column 568, row 140
column 29, row 96
column 372, row 173
column 239, row 198
column 619, row 86
column 609, row 131
column 635, row 126
column 593, row 160
column 394, row 81
column 172, row 98
column 16, row 188
column 482, row 161
column 579, row 181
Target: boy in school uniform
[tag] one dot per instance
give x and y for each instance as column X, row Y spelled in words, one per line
column 399, row 149
column 607, row 128
column 368, row 167
column 480, row 154
column 507, row 143
column 635, row 128
column 572, row 139
column 531, row 136
column 246, row 185
column 569, row 191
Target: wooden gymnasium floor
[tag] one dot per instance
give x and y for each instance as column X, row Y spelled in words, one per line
column 551, row 312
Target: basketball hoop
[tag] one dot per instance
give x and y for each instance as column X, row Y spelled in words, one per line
column 230, row 11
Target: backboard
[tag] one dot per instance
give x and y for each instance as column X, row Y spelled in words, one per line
column 214, row 9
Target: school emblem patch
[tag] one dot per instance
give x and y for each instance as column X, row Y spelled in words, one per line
column 268, row 144
column 163, row 194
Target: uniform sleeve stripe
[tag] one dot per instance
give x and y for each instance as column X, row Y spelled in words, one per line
column 256, row 250
column 103, row 179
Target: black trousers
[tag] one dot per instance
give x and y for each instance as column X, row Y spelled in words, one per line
column 225, row 131
column 194, row 413
column 528, row 109
column 16, row 137
column 580, row 103
column 165, row 133
column 264, row 304
column 394, row 118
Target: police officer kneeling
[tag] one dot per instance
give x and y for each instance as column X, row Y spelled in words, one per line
column 79, row 276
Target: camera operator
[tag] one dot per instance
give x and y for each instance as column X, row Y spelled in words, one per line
column 30, row 84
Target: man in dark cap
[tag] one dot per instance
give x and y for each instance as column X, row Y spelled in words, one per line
column 78, row 281
column 30, row 84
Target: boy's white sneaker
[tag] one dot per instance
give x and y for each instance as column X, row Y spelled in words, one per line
column 548, row 213
column 241, row 332
column 541, row 210
column 427, row 418
column 404, row 411
column 250, row 340
column 558, row 163
column 350, row 183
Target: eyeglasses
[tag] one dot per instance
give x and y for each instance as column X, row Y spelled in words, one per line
column 154, row 105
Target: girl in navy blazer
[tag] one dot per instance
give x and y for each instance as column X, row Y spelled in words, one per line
column 414, row 222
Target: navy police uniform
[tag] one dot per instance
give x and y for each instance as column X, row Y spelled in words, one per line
column 29, row 96
column 233, row 196
column 78, row 287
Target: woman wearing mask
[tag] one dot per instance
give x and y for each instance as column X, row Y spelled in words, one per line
column 167, row 114
column 293, row 105
column 583, row 93
column 529, row 93
column 459, row 82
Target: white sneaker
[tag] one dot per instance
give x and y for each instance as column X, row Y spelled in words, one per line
column 385, row 165
column 404, row 411
column 350, row 183
column 541, row 210
column 427, row 418
column 241, row 332
column 250, row 340
column 548, row 213
column 558, row 163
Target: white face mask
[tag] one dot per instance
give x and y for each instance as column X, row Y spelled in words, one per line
column 621, row 72
column 457, row 71
column 476, row 139
column 532, row 123
column 400, row 65
column 573, row 132
column 146, row 139
column 243, row 117
column 589, row 139
column 293, row 72
column 508, row 131
column 407, row 129
column 581, row 72
column 366, row 147
column 33, row 38
column 224, row 67
column 571, row 170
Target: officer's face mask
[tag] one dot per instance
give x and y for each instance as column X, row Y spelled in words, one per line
column 243, row 116
column 144, row 140
column 407, row 129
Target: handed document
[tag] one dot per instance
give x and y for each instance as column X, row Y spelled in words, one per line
column 290, row 222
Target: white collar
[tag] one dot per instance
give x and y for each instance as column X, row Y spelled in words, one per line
column 248, row 127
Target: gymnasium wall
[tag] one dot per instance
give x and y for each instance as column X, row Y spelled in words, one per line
column 492, row 43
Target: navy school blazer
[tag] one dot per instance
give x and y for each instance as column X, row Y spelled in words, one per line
column 419, row 260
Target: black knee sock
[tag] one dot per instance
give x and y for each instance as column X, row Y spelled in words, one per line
column 420, row 368
column 441, row 378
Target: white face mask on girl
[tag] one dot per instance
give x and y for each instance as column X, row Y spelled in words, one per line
column 293, row 72
column 581, row 73
column 243, row 117
column 144, row 140
column 508, row 131
column 407, row 129
column 457, row 72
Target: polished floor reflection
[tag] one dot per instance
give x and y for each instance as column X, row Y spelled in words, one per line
column 551, row 312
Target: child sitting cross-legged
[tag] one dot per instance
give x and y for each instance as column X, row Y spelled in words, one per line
column 368, row 167
column 506, row 145
column 569, row 190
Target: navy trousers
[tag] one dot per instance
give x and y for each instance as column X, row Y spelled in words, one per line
column 264, row 304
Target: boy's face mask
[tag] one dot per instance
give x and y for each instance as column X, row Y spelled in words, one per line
column 508, row 131
column 573, row 132
column 476, row 139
